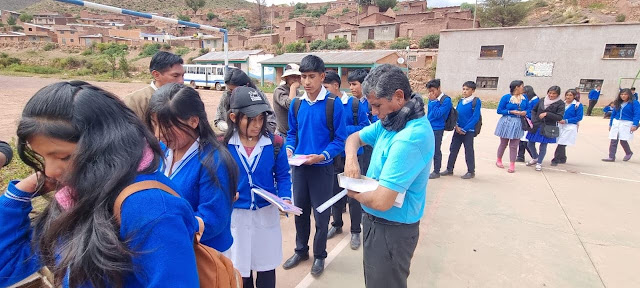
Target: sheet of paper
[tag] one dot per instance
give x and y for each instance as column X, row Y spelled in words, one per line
column 363, row 185
column 331, row 201
column 297, row 160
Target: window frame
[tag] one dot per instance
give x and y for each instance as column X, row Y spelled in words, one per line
column 487, row 78
column 593, row 84
column 608, row 48
column 498, row 48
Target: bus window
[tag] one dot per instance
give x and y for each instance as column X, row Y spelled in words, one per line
column 219, row 72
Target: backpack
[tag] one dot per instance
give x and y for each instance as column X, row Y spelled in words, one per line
column 355, row 105
column 452, row 118
column 328, row 111
column 214, row 269
column 277, row 141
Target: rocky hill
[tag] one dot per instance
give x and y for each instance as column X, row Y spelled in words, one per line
column 175, row 6
column 550, row 12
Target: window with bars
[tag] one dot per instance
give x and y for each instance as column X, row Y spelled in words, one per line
column 490, row 83
column 494, row 51
column 620, row 51
column 587, row 85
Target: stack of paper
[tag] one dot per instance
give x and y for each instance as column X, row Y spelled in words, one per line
column 297, row 160
column 363, row 185
column 275, row 200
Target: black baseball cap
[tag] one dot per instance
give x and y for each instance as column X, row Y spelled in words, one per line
column 249, row 101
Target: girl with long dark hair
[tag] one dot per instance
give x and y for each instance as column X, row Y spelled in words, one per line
column 533, row 99
column 624, row 121
column 86, row 143
column 573, row 113
column 255, row 223
column 199, row 165
column 548, row 112
column 512, row 106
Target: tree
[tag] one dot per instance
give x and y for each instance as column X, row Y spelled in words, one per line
column 195, row 5
column 430, row 41
column 184, row 18
column 466, row 6
column 210, row 16
column 26, row 17
column 124, row 66
column 11, row 21
column 112, row 52
column 384, row 5
column 502, row 13
column 261, row 5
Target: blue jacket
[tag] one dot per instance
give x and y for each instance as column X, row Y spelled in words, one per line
column 594, row 94
column 372, row 118
column 208, row 199
column 439, row 113
column 468, row 117
column 363, row 118
column 161, row 228
column 310, row 128
column 532, row 103
column 607, row 109
column 262, row 170
column 574, row 113
column 505, row 106
column 630, row 112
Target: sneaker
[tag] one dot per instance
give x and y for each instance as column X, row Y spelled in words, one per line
column 627, row 157
column 469, row 175
column 532, row 162
column 520, row 159
column 446, row 173
column 538, row 167
column 434, row 175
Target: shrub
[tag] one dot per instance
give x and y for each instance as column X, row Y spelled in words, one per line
column 17, row 28
column 597, row 6
column 124, row 66
column 400, row 43
column 296, row 47
column 149, row 49
column 86, row 52
column 210, row 16
column 184, row 18
column 279, row 48
column 540, row 4
column 331, row 44
column 368, row 45
column 345, row 11
column 5, row 60
column 430, row 41
column 204, row 51
column 26, row 17
column 166, row 46
column 11, row 21
column 182, row 51
column 67, row 63
column 318, row 45
column 102, row 47
column 237, row 22
column 49, row 47
column 621, row 18
column 33, row 69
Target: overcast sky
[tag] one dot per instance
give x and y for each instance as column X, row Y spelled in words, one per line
column 431, row 3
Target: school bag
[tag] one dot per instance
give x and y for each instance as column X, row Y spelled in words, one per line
column 214, row 269
column 452, row 119
column 328, row 112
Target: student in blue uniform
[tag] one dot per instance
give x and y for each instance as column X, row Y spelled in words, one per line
column 548, row 112
column 533, row 99
column 608, row 110
column 594, row 94
column 573, row 113
column 635, row 94
column 354, row 123
column 86, row 142
column 468, row 117
column 437, row 113
column 356, row 78
column 199, row 165
column 512, row 107
column 624, row 121
column 309, row 134
column 255, row 223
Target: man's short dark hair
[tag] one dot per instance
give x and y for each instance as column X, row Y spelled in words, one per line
column 385, row 80
column 433, row 83
column 470, row 84
column 357, row 75
column 312, row 63
column 633, row 88
column 163, row 61
column 331, row 77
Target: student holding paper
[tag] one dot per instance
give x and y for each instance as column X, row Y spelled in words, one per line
column 255, row 223
column 403, row 148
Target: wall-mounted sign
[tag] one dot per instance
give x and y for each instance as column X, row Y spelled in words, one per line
column 539, row 69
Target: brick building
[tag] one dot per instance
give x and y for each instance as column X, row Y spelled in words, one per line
column 376, row 18
column 237, row 41
column 412, row 6
column 378, row 32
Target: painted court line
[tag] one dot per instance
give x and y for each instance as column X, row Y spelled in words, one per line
column 332, row 255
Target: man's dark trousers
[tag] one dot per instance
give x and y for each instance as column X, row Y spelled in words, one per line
column 592, row 103
column 312, row 186
column 355, row 210
column 437, row 156
column 388, row 249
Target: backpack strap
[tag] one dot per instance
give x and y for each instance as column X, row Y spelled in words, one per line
column 329, row 113
column 137, row 187
column 473, row 103
column 355, row 103
column 296, row 107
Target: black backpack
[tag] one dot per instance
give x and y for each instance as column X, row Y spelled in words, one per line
column 452, row 118
column 328, row 112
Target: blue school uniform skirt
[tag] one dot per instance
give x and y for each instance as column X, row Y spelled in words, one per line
column 509, row 127
column 539, row 138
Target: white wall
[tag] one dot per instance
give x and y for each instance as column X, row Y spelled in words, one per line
column 255, row 69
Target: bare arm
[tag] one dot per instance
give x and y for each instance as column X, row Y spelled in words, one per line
column 351, row 146
column 381, row 199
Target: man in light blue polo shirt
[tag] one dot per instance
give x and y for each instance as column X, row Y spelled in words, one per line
column 403, row 148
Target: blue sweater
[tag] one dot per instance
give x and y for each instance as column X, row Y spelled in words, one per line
column 607, row 109
column 468, row 117
column 363, row 119
column 263, row 171
column 505, row 106
column 312, row 131
column 630, row 112
column 532, row 103
column 160, row 225
column 372, row 118
column 208, row 200
column 594, row 94
column 438, row 113
column 573, row 114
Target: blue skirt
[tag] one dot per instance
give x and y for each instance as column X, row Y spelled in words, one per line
column 539, row 138
column 509, row 127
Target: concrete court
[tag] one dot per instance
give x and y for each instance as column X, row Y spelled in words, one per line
column 574, row 225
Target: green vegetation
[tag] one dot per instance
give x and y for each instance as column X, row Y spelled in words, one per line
column 596, row 6
column 430, row 41
column 124, row 66
column 621, row 18
column 181, row 51
column 204, row 51
column 466, row 6
column 49, row 46
column 26, row 17
column 384, row 5
column 68, row 63
column 16, row 28
column 32, row 69
column 279, row 48
column 149, row 49
column 296, row 47
column 368, row 44
column 330, row 44
column 345, row 10
column 211, row 16
column 400, row 43
column 237, row 22
column 11, row 21
column 540, row 4
column 300, row 9
column 195, row 5
column 5, row 60
column 14, row 171
column 268, row 87
column 503, row 13
column 184, row 18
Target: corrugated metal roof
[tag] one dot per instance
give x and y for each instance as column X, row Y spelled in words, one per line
column 333, row 57
column 233, row 55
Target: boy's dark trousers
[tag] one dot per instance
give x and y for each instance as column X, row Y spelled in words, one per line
column 437, row 156
column 592, row 103
column 355, row 210
column 458, row 140
column 312, row 186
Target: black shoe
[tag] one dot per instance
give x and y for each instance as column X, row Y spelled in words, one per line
column 355, row 241
column 434, row 175
column 294, row 261
column 333, row 231
column 469, row 175
column 554, row 163
column 609, row 160
column 520, row 159
column 317, row 268
column 446, row 173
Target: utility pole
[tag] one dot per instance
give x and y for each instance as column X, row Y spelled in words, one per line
column 475, row 11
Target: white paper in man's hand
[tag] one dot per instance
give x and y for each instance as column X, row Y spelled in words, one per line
column 363, row 185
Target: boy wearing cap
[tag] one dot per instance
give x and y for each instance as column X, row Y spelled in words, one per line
column 355, row 117
column 284, row 94
column 313, row 133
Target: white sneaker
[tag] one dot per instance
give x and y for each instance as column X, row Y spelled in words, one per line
column 538, row 167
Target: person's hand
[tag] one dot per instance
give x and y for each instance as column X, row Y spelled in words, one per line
column 562, row 122
column 3, row 160
column 288, row 202
column 353, row 195
column 313, row 159
column 30, row 184
column 294, row 86
column 459, row 131
column 235, row 198
column 609, row 128
column 289, row 153
column 634, row 128
column 542, row 115
column 433, row 96
column 351, row 168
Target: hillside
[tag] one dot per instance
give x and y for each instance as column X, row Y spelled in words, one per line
column 175, row 6
column 550, row 12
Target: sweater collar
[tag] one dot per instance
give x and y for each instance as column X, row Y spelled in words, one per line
column 235, row 141
column 153, row 85
column 345, row 98
column 170, row 170
column 323, row 93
